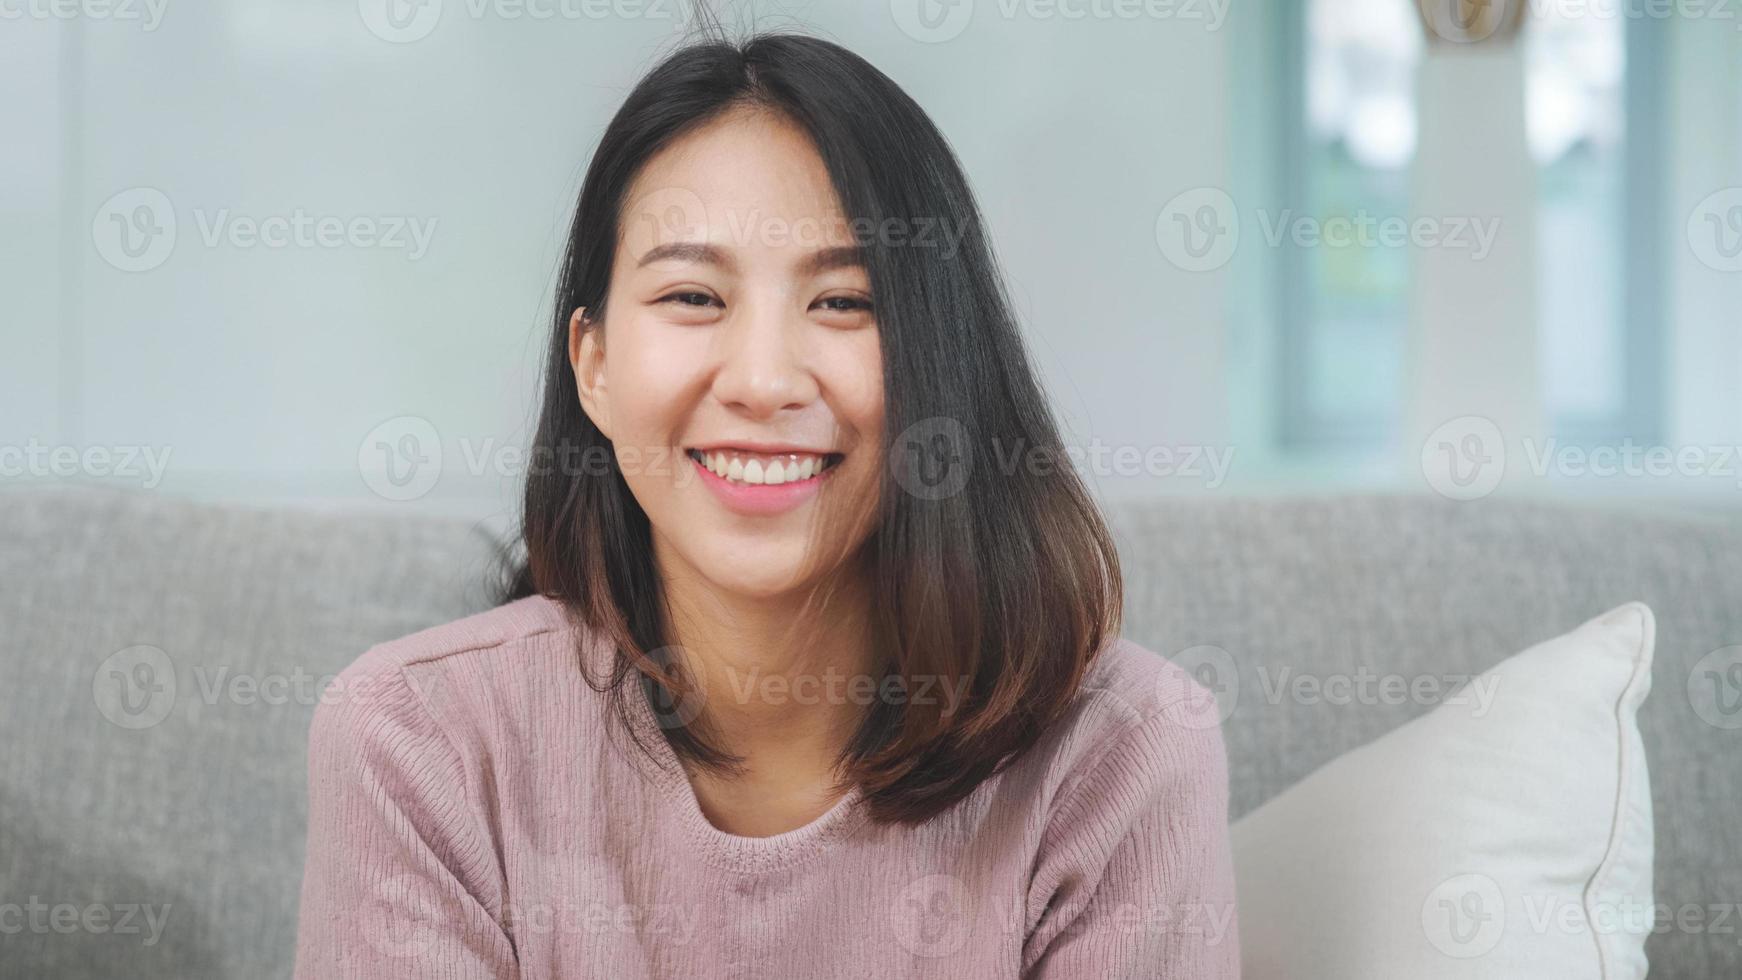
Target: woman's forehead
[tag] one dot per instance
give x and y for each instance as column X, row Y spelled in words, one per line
column 739, row 177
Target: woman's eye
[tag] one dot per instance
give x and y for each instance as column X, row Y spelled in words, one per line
column 844, row 304
column 688, row 298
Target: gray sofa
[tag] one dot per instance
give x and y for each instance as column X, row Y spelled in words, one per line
column 179, row 790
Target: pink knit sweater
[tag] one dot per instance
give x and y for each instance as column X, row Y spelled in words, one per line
column 475, row 811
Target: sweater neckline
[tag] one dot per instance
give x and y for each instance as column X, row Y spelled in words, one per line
column 718, row 848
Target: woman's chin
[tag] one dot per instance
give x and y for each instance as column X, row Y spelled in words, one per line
column 765, row 570
column 766, row 583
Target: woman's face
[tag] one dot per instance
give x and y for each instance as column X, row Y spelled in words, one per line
column 738, row 374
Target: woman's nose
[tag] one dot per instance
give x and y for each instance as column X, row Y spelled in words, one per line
column 762, row 367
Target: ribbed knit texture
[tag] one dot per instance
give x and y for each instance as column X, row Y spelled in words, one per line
column 476, row 811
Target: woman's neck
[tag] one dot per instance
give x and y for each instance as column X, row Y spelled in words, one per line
column 785, row 701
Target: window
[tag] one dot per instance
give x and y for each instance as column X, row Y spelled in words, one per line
column 1592, row 102
column 1346, row 142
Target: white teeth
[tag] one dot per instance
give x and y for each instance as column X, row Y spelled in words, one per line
column 788, row 468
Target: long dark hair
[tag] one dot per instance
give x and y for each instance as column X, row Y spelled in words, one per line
column 1003, row 578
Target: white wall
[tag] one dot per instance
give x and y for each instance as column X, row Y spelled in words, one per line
column 261, row 370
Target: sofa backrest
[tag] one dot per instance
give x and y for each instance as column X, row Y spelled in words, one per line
column 164, row 658
column 177, row 777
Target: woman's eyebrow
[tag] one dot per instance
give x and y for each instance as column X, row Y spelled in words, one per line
column 687, row 252
column 826, row 259
column 820, row 261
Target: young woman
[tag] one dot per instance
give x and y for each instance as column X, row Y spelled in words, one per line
column 810, row 666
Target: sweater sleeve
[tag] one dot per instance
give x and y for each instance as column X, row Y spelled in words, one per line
column 1135, row 878
column 398, row 880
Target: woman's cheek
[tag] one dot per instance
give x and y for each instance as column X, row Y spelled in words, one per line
column 868, row 399
column 652, row 380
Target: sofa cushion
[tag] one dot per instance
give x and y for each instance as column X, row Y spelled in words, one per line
column 1505, row 834
column 1422, row 587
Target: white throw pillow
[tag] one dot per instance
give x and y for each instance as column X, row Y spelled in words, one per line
column 1510, row 842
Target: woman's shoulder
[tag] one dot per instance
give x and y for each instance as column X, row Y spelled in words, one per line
column 504, row 625
column 1138, row 719
column 1130, row 681
column 511, row 637
column 463, row 673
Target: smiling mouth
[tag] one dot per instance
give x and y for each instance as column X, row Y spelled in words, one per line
column 764, row 469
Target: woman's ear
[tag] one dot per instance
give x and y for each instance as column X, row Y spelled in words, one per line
column 587, row 357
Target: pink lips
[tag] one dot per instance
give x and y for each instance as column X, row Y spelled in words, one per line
column 760, row 500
